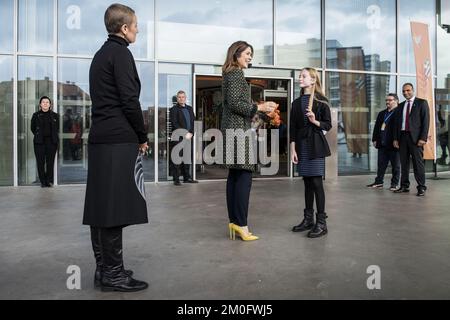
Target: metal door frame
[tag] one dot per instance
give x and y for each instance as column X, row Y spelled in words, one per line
column 290, row 96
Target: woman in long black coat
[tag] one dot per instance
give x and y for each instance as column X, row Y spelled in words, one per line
column 45, row 127
column 310, row 118
column 115, row 195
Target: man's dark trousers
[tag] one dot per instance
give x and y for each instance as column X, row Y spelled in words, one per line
column 408, row 150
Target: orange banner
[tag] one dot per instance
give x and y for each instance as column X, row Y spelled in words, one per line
column 424, row 74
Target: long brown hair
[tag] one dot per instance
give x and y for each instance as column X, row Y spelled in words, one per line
column 234, row 52
column 317, row 92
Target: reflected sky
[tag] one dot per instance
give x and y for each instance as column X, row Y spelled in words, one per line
column 35, row 68
column 6, row 68
column 74, row 71
column 6, row 25
column 81, row 21
column 146, row 71
column 443, row 62
column 183, row 35
column 296, row 22
column 36, row 26
column 369, row 24
column 414, row 10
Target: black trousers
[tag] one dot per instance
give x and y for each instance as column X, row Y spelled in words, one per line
column 409, row 150
column 182, row 169
column 239, row 184
column 384, row 157
column 314, row 190
column 45, row 157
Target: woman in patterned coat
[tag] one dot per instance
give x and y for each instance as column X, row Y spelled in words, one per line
column 239, row 153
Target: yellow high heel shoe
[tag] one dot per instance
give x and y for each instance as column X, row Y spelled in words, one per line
column 231, row 230
column 246, row 237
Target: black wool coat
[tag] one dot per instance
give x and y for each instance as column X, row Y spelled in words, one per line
column 37, row 127
column 313, row 134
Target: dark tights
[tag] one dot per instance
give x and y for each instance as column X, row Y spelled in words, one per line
column 314, row 188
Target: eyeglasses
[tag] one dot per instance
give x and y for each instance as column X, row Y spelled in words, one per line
column 389, row 100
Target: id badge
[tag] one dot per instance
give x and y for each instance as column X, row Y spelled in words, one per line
column 383, row 126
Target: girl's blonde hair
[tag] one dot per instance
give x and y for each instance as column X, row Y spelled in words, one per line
column 317, row 92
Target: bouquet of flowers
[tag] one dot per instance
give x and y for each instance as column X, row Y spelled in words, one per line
column 266, row 119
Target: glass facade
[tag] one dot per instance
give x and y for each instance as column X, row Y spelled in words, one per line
column 362, row 48
column 6, row 120
column 358, row 98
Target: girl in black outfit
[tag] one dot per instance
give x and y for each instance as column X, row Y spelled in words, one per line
column 115, row 195
column 45, row 127
column 310, row 118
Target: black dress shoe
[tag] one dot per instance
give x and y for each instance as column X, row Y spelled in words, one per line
column 401, row 190
column 190, row 180
column 420, row 192
column 177, row 183
column 43, row 185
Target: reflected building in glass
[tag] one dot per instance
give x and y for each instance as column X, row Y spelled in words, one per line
column 361, row 48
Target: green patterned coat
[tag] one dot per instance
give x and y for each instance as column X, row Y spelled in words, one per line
column 237, row 113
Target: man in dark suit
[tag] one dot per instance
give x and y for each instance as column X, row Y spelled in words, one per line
column 182, row 117
column 382, row 139
column 412, row 124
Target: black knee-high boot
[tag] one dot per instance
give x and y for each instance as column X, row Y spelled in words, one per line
column 114, row 277
column 307, row 223
column 320, row 228
column 96, row 246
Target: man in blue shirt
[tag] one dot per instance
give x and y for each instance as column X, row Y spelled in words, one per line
column 182, row 117
column 382, row 139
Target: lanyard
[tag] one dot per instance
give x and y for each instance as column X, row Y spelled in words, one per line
column 387, row 116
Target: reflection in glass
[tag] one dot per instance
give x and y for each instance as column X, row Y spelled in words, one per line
column 203, row 30
column 358, row 98
column 172, row 78
column 75, row 104
column 35, row 79
column 443, row 96
column 298, row 38
column 6, row 120
column 365, row 28
column 36, row 26
column 81, row 29
column 414, row 10
column 74, row 107
column 146, row 71
column 6, row 26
